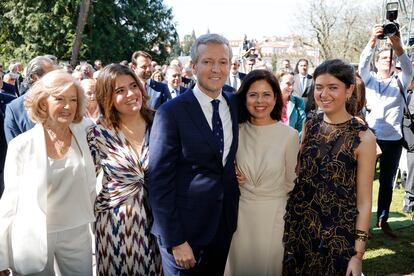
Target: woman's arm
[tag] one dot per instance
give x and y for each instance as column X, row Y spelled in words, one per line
column 366, row 158
column 9, row 200
column 291, row 157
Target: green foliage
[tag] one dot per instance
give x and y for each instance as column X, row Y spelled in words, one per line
column 31, row 28
column 114, row 29
column 188, row 41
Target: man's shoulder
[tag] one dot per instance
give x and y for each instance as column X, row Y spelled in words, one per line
column 17, row 104
column 242, row 75
column 8, row 88
column 6, row 98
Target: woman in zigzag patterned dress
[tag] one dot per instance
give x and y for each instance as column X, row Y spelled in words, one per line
column 119, row 146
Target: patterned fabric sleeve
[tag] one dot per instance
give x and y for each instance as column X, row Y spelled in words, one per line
column 94, row 148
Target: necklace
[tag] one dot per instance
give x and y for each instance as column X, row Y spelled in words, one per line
column 61, row 145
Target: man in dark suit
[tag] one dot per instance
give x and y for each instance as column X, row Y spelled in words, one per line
column 303, row 80
column 192, row 182
column 4, row 100
column 157, row 91
column 235, row 77
column 16, row 120
column 174, row 81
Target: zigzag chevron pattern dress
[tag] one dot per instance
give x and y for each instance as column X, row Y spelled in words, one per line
column 321, row 210
column 124, row 244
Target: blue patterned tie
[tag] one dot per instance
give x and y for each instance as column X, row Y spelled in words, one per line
column 217, row 126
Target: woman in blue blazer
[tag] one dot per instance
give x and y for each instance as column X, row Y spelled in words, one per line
column 294, row 107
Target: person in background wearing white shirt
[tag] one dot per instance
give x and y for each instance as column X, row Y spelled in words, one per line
column 385, row 104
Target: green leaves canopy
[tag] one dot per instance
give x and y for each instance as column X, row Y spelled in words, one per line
column 114, row 29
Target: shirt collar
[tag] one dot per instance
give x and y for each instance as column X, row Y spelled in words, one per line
column 204, row 99
column 172, row 88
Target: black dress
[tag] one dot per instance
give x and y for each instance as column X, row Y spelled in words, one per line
column 321, row 211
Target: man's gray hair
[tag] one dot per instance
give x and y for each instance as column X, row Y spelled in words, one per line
column 208, row 39
column 36, row 67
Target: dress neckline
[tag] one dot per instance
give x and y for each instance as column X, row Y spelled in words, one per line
column 338, row 124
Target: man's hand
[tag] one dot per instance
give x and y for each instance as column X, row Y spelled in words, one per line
column 395, row 42
column 183, row 255
column 376, row 32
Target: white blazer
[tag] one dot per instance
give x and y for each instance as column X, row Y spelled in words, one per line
column 23, row 206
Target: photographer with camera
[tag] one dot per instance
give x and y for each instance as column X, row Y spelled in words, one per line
column 385, row 104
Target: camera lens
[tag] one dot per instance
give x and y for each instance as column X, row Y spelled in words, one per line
column 390, row 29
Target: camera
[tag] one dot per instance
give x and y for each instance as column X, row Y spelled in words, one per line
column 390, row 27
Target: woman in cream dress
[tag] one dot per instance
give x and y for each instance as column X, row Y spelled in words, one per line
column 266, row 160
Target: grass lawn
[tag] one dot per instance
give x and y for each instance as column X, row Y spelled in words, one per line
column 383, row 255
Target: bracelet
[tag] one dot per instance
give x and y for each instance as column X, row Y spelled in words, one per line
column 361, row 235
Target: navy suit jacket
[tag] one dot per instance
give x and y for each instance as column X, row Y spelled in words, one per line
column 158, row 93
column 3, row 151
column 189, row 188
column 10, row 89
column 5, row 98
column 16, row 120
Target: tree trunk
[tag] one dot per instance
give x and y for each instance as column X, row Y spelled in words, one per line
column 83, row 15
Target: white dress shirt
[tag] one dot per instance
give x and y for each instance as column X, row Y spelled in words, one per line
column 225, row 116
column 173, row 91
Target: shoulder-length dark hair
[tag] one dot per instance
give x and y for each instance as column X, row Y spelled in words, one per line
column 105, row 88
column 252, row 77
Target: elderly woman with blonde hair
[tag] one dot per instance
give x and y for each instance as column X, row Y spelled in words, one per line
column 92, row 109
column 49, row 180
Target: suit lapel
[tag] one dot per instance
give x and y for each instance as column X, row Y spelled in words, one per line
column 197, row 116
column 168, row 94
column 290, row 106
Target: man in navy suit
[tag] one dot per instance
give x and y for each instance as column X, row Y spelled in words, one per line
column 16, row 120
column 173, row 78
column 235, row 77
column 192, row 185
column 157, row 91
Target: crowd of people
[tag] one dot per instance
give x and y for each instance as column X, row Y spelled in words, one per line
column 199, row 169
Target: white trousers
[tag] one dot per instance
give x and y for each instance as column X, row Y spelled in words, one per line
column 72, row 250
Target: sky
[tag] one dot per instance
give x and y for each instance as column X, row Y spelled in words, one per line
column 234, row 18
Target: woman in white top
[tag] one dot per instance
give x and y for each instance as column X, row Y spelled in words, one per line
column 49, row 181
column 266, row 158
